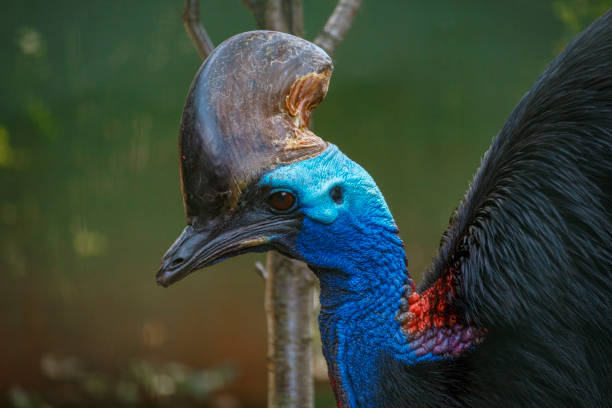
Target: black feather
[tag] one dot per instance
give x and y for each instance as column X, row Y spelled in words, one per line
column 532, row 246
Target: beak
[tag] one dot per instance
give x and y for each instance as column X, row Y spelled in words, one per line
column 197, row 248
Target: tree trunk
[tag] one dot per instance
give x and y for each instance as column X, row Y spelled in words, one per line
column 289, row 298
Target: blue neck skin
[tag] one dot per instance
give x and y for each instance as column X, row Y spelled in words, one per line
column 355, row 248
column 358, row 308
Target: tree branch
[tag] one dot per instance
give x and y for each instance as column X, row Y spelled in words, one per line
column 279, row 15
column 338, row 25
column 258, row 9
column 296, row 17
column 261, row 270
column 274, row 16
column 195, row 29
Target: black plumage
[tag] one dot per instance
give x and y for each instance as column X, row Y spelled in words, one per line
column 531, row 249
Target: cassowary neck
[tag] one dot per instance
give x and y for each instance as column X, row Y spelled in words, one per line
column 370, row 311
column 358, row 323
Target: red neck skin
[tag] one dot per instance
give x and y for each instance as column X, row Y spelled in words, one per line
column 432, row 324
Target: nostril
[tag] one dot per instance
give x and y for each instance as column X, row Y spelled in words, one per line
column 177, row 262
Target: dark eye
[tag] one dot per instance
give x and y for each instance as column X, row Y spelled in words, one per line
column 336, row 194
column 281, row 200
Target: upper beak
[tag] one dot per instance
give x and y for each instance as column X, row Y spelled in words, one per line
column 195, row 249
column 198, row 247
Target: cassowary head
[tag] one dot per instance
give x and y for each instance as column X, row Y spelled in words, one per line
column 254, row 177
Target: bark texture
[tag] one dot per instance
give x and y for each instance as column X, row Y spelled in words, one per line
column 289, row 313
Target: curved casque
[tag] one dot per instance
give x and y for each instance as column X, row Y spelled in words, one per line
column 247, row 112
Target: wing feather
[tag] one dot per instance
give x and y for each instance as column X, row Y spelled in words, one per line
column 532, row 238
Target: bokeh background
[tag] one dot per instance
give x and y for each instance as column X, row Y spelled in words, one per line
column 90, row 98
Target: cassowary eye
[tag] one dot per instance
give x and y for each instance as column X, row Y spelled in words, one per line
column 336, row 194
column 281, row 201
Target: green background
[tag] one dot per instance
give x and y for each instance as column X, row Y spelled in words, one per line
column 91, row 95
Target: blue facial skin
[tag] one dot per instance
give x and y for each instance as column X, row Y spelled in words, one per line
column 353, row 242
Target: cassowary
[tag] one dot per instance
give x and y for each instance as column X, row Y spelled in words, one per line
column 515, row 310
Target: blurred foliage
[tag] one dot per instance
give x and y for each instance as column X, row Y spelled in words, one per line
column 89, row 191
column 68, row 382
column 576, row 15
